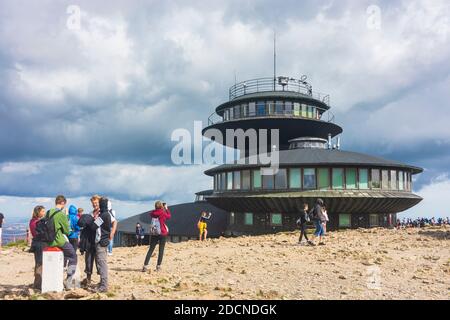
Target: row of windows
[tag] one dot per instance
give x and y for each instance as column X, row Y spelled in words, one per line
column 276, row 219
column 263, row 108
column 314, row 179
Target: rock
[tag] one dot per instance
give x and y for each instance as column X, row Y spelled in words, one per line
column 76, row 294
column 181, row 286
column 53, row 295
column 342, row 277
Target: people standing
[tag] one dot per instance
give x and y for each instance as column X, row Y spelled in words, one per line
column 139, row 234
column 102, row 240
column 304, row 218
column 62, row 230
column 2, row 220
column 324, row 223
column 203, row 226
column 89, row 235
column 37, row 246
column 160, row 214
column 74, row 228
column 113, row 228
column 319, row 219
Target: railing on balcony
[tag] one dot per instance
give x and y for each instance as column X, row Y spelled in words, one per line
column 326, row 116
column 277, row 84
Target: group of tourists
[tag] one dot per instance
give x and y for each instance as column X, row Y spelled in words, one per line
column 421, row 222
column 319, row 216
column 71, row 230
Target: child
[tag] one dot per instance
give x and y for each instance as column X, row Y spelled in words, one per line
column 202, row 225
column 37, row 246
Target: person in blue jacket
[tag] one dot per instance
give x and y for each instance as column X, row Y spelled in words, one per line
column 74, row 228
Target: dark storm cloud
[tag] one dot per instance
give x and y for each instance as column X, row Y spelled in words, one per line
column 109, row 95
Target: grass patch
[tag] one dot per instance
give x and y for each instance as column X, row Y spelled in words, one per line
column 17, row 244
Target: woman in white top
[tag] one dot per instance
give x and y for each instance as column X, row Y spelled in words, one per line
column 325, row 213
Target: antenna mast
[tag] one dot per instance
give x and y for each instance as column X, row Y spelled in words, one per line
column 274, row 60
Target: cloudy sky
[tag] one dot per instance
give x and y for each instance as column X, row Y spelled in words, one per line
column 90, row 107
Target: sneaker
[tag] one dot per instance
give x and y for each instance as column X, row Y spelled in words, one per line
column 321, row 243
column 68, row 283
column 109, row 253
column 102, row 289
column 158, row 268
column 311, row 243
column 86, row 282
column 144, row 269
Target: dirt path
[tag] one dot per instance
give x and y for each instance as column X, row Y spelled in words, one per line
column 354, row 264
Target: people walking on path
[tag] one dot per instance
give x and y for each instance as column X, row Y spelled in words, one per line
column 319, row 218
column 301, row 222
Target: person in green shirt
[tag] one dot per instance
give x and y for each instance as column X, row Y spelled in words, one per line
column 62, row 230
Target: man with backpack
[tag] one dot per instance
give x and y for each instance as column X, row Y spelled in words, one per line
column 54, row 230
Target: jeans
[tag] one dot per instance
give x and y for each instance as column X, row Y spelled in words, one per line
column 74, row 243
column 36, row 248
column 110, row 246
column 70, row 256
column 89, row 259
column 154, row 240
column 102, row 265
column 319, row 228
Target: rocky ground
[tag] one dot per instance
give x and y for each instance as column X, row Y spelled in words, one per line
column 354, row 264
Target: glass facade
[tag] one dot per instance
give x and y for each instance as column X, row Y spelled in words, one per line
column 375, row 179
column 350, row 178
column 363, row 179
column 314, row 178
column 373, row 220
column 309, row 178
column 385, row 179
column 251, row 109
column 393, row 180
column 246, row 179
column 338, row 178
column 256, row 179
column 232, row 218
column 260, row 108
column 294, row 178
column 324, row 178
column 236, row 180
column 281, row 179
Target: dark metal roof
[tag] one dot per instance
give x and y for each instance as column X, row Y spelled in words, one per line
column 205, row 192
column 320, row 157
column 183, row 222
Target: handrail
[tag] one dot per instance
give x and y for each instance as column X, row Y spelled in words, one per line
column 276, row 84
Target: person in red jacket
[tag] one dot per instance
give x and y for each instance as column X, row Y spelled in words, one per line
column 162, row 213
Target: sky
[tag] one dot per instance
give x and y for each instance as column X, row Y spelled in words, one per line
column 88, row 105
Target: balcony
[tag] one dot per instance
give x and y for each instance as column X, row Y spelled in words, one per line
column 277, row 84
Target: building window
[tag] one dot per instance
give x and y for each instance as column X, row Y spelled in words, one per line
column 236, row 180
column 231, row 113
column 281, row 179
column 310, row 112
column 276, row 219
column 296, row 109
column 244, row 110
column 248, row 219
column 373, row 220
column 288, row 108
column 324, row 178
column 237, row 112
column 229, row 180
column 225, row 115
column 232, row 218
column 260, row 108
column 338, row 178
column 304, row 112
column 294, row 179
column 350, row 178
column 267, row 181
column 363, row 179
column 256, row 179
column 246, row 179
column 345, row 220
column 375, row 181
column 400, row 181
column 309, row 178
column 224, row 181
column 279, row 107
column 270, row 107
column 393, row 180
column 251, row 109
column 385, row 179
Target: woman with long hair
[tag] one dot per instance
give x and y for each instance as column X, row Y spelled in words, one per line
column 37, row 246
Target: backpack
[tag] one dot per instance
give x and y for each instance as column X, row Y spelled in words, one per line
column 155, row 227
column 45, row 228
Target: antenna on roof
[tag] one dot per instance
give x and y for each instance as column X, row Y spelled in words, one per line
column 274, row 59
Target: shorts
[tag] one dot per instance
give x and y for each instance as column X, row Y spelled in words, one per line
column 319, row 228
column 202, row 227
